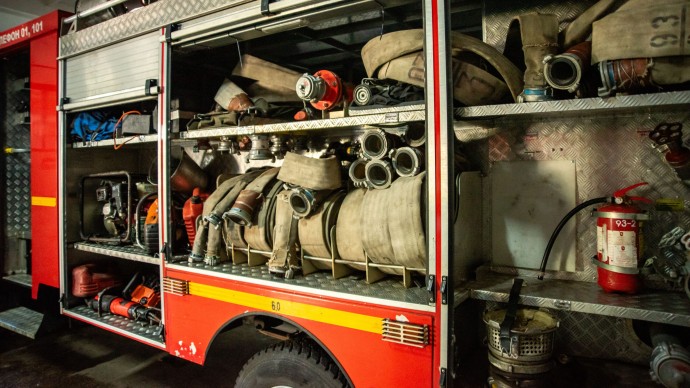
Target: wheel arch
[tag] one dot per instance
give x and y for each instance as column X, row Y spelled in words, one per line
column 238, row 321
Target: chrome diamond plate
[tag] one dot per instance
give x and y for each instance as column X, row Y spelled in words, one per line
column 590, row 106
column 128, row 252
column 390, row 288
column 583, row 297
column 498, row 14
column 387, row 117
column 610, row 152
column 595, row 336
column 144, row 20
column 141, row 330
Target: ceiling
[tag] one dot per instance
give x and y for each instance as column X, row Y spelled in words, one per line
column 14, row 12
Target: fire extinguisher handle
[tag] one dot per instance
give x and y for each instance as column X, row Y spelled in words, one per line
column 621, row 193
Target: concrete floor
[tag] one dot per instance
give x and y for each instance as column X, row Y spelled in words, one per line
column 86, row 356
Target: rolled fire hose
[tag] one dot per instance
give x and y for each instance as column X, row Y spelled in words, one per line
column 641, row 29
column 581, row 28
column 215, row 234
column 202, row 231
column 284, row 256
column 472, row 85
column 259, row 236
column 405, row 222
column 315, row 231
column 242, row 210
column 532, row 37
column 348, row 238
column 274, row 83
column 374, row 231
column 388, row 47
column 311, row 173
column 393, row 232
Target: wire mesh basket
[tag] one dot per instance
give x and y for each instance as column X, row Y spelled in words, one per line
column 531, row 337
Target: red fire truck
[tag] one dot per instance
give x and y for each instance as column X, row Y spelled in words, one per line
column 371, row 183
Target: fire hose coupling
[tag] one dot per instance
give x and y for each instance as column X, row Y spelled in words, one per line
column 376, row 144
column 242, row 211
column 564, row 71
column 677, row 156
column 380, row 174
column 302, row 201
column 358, row 175
column 324, row 90
column 214, row 219
column 260, row 148
column 407, row 161
column 536, row 95
column 195, row 258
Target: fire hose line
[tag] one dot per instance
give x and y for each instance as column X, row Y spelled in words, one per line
column 554, row 235
column 314, row 230
column 348, row 240
column 249, row 199
column 202, row 231
column 284, row 255
column 310, row 173
column 260, row 234
column 215, row 217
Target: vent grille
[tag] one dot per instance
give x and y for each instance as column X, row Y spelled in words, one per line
column 175, row 286
column 405, row 333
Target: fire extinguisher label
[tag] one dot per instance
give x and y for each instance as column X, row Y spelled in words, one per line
column 601, row 241
column 622, row 248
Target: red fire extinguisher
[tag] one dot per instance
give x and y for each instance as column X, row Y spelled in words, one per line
column 619, row 239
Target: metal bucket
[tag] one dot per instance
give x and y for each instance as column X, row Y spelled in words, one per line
column 531, row 336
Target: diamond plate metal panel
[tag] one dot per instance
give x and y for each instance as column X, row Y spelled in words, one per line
column 128, row 252
column 610, row 153
column 390, row 288
column 388, row 116
column 17, row 166
column 498, row 15
column 583, row 297
column 144, row 20
column 589, row 106
column 150, row 333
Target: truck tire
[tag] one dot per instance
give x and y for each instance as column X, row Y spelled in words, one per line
column 292, row 363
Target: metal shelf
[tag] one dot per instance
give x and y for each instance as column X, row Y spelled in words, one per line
column 359, row 117
column 136, row 139
column 585, row 297
column 593, row 106
column 128, row 252
column 390, row 288
column 140, row 331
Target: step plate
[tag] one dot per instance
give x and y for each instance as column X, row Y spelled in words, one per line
column 22, row 279
column 21, row 320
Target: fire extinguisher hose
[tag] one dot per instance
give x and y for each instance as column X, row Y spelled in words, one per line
column 560, row 226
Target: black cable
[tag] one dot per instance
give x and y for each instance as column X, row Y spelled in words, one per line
column 560, row 226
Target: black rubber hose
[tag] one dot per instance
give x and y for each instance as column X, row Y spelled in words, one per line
column 560, row 226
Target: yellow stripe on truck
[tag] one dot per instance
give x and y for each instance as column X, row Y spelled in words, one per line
column 44, row 201
column 289, row 308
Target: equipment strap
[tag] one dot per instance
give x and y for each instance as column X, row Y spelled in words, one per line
column 509, row 320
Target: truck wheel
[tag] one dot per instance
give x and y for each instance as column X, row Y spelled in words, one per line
column 292, row 363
